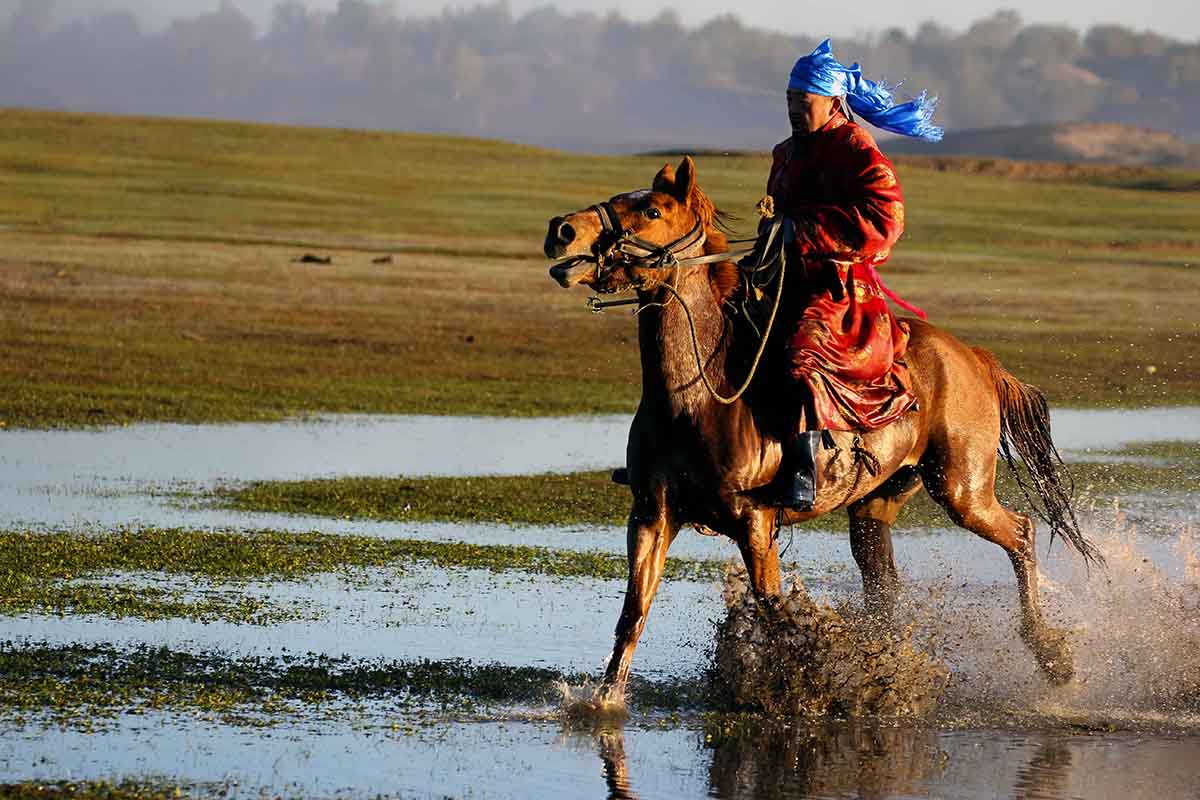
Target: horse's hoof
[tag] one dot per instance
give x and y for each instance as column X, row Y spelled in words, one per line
column 1053, row 653
column 609, row 699
column 587, row 706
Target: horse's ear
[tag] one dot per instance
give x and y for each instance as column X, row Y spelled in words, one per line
column 685, row 179
column 664, row 181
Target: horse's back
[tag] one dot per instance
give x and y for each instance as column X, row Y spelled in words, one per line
column 954, row 388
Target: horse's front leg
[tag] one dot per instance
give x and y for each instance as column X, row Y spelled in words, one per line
column 651, row 531
column 760, row 551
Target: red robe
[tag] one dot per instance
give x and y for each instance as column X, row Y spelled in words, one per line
column 846, row 346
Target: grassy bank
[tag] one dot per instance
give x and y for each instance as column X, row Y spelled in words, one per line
column 148, row 272
column 590, row 498
column 581, row 498
column 81, row 685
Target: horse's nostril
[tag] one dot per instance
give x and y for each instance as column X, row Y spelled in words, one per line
column 566, row 233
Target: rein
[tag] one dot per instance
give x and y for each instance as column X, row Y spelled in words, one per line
column 620, row 247
column 762, row 345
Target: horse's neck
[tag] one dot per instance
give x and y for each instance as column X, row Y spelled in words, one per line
column 670, row 378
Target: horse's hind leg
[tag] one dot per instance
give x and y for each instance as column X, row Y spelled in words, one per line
column 871, row 520
column 973, row 505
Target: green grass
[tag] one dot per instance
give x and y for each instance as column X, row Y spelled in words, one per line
column 147, row 274
column 81, row 685
column 1178, row 453
column 130, row 789
column 583, row 498
column 590, row 498
column 116, row 600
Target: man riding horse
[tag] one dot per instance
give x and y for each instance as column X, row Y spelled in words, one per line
column 705, row 453
column 845, row 212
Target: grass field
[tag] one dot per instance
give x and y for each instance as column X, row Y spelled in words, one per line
column 147, row 272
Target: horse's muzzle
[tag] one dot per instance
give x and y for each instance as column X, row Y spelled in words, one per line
column 572, row 271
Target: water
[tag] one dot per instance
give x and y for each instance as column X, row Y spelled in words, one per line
column 428, row 613
column 1001, row 732
column 420, row 445
column 1129, row 726
column 540, row 759
column 68, row 479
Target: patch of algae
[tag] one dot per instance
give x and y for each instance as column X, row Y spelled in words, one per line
column 99, row 790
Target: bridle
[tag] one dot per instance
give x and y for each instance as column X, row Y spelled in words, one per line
column 617, row 246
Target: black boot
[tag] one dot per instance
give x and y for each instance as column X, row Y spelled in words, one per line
column 800, row 456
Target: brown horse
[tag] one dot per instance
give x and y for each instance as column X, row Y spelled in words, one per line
column 694, row 460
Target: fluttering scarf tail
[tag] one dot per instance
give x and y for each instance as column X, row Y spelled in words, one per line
column 821, row 73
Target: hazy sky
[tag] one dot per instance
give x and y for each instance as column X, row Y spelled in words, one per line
column 1177, row 18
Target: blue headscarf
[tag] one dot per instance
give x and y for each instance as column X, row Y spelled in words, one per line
column 820, row 73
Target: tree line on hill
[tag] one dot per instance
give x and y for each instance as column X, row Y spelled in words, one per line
column 590, row 81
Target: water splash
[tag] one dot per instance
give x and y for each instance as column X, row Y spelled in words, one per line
column 1134, row 627
column 587, row 704
column 804, row 659
column 1135, row 630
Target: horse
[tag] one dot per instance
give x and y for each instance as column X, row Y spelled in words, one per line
column 697, row 456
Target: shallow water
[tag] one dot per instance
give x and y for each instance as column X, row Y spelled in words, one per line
column 539, row 759
column 422, row 445
column 509, row 618
column 102, row 477
column 1003, row 731
column 533, row 620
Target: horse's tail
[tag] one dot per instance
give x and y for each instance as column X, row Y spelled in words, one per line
column 1041, row 473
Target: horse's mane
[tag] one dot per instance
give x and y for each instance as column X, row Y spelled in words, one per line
column 722, row 276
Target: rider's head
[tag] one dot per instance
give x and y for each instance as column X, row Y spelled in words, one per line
column 808, row 111
column 814, row 86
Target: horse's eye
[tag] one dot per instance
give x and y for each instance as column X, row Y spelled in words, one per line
column 652, row 213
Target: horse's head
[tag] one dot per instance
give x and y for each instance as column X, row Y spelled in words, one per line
column 633, row 239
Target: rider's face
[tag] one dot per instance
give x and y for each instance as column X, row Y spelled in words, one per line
column 808, row 112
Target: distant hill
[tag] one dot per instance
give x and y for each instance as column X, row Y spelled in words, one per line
column 1073, row 142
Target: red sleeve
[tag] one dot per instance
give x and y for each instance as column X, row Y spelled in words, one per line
column 870, row 217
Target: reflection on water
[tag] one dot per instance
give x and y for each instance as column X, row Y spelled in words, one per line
column 775, row 760
column 721, row 758
column 798, row 761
